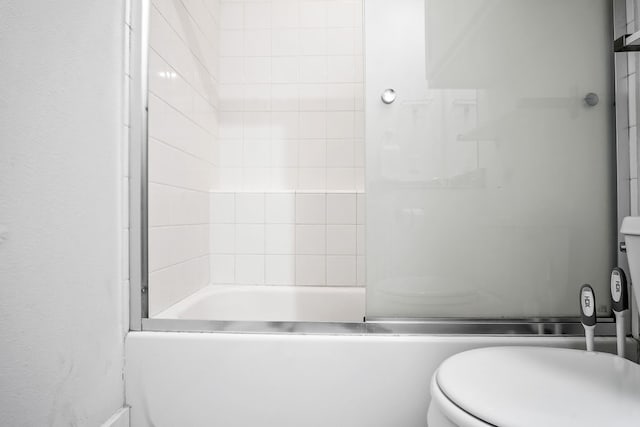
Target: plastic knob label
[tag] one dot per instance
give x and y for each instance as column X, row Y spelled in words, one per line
column 587, row 302
column 616, row 286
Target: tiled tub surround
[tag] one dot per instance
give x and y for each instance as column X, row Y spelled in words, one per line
column 260, row 102
column 291, row 96
column 183, row 70
column 287, row 238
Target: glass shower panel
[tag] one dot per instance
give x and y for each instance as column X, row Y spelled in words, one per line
column 491, row 176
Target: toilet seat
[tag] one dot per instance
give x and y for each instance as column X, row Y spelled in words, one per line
column 444, row 413
column 535, row 386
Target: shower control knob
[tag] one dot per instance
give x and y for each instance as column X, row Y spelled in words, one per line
column 588, row 312
column 388, row 96
column 591, row 99
column 588, row 305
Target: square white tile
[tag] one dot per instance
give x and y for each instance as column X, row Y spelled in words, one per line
column 340, row 124
column 256, row 125
column 231, row 43
column 250, row 238
column 284, row 97
column 313, row 69
column 280, row 239
column 249, row 208
column 284, row 13
column 285, row 126
column 341, row 96
column 284, row 69
column 257, row 42
column 257, row 97
column 341, row 69
column 310, row 239
column 231, row 97
column 231, row 70
column 256, row 153
column 313, row 14
column 280, row 269
column 341, row 270
column 341, row 13
column 285, row 42
column 313, row 97
column 313, row 41
column 257, row 69
column 311, row 270
column 341, row 208
column 313, row 125
column 231, row 14
column 280, row 208
column 284, row 154
column 341, row 179
column 312, row 179
column 340, row 41
column 341, row 240
column 310, row 208
column 256, row 178
column 222, row 269
column 312, row 153
column 222, row 238
column 257, row 14
column 340, row 153
column 249, row 269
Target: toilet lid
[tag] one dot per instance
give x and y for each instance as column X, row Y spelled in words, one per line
column 534, row 386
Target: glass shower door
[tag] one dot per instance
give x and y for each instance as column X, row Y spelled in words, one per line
column 491, row 163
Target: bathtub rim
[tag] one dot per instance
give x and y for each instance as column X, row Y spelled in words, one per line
column 382, row 326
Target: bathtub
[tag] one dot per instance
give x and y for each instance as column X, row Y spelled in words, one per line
column 276, row 379
column 292, row 380
column 271, row 303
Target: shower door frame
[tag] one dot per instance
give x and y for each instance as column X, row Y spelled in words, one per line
column 138, row 233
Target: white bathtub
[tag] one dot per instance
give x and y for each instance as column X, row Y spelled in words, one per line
column 271, row 303
column 292, row 380
column 277, row 380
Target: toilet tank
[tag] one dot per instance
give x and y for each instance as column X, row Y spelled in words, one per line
column 631, row 230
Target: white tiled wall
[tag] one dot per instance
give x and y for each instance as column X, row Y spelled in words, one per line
column 291, row 96
column 183, row 126
column 256, row 146
column 287, row 238
column 291, row 144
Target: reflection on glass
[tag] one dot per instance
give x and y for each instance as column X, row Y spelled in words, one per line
column 490, row 180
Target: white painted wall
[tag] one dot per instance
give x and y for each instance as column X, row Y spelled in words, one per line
column 61, row 279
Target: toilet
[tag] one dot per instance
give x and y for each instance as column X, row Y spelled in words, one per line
column 537, row 386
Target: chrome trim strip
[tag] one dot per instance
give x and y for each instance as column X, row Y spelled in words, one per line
column 605, row 327
column 622, row 140
column 138, row 210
